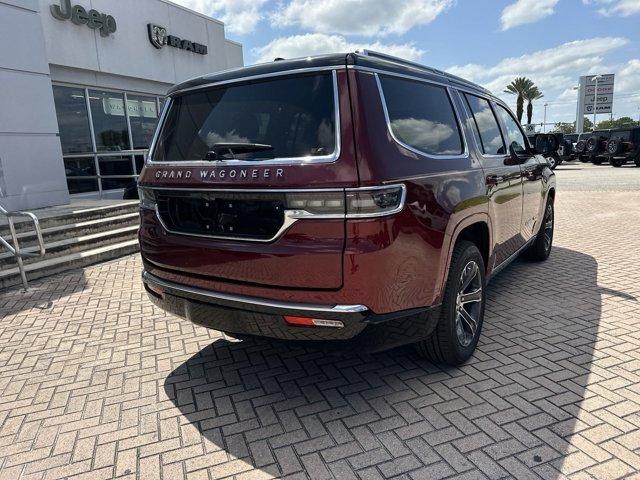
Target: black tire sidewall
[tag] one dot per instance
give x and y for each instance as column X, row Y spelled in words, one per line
column 470, row 252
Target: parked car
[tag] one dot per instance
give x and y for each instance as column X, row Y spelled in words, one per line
column 624, row 146
column 353, row 200
column 591, row 147
column 553, row 158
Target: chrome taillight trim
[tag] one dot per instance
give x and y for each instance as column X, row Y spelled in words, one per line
column 291, row 216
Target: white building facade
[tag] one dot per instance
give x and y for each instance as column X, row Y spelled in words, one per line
column 82, row 83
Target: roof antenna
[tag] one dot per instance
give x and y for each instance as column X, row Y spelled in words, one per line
column 278, row 59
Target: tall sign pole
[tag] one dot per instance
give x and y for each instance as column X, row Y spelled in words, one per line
column 580, row 109
column 595, row 99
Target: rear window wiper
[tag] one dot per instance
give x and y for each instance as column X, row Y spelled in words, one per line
column 220, row 151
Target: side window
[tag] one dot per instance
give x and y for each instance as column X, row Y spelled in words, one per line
column 487, row 125
column 514, row 134
column 421, row 116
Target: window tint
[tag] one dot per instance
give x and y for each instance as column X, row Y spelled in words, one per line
column 421, row 116
column 73, row 120
column 487, row 125
column 514, row 134
column 294, row 116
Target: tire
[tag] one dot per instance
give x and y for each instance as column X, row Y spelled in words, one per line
column 540, row 249
column 583, row 159
column 637, row 161
column 597, row 161
column 552, row 161
column 592, row 145
column 617, row 162
column 454, row 339
column 580, row 146
column 614, row 146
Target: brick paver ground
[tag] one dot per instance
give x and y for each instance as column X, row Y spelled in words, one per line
column 97, row 383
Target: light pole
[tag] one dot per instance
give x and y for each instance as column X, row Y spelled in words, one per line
column 545, row 119
column 595, row 98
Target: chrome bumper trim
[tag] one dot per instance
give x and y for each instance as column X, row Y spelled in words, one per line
column 248, row 303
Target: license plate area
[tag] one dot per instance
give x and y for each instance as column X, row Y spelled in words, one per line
column 241, row 215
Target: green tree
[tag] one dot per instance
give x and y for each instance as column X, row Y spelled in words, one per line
column 617, row 123
column 531, row 94
column 565, row 127
column 588, row 125
column 519, row 87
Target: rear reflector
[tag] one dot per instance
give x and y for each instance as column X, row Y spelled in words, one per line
column 312, row 322
column 157, row 290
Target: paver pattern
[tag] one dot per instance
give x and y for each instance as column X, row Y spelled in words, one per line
column 97, row 383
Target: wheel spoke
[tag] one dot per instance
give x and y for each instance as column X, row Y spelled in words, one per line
column 470, row 297
column 469, row 321
column 468, row 274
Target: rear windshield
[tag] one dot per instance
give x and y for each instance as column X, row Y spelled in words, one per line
column 288, row 117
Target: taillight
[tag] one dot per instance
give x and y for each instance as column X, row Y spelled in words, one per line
column 147, row 198
column 375, row 202
column 352, row 202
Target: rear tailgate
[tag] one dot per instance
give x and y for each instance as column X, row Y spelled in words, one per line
column 242, row 218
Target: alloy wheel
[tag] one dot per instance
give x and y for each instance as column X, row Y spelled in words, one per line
column 468, row 303
column 548, row 227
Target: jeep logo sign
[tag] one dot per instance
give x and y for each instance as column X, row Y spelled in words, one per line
column 159, row 38
column 79, row 15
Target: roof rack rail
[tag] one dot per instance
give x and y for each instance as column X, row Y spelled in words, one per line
column 402, row 61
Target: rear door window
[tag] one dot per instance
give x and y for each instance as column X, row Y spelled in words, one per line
column 514, row 134
column 421, row 116
column 487, row 125
column 290, row 117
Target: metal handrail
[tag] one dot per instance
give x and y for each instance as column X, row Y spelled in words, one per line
column 15, row 248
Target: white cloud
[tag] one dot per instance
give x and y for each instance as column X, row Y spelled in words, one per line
column 623, row 8
column 526, row 11
column 556, row 71
column 317, row 43
column 359, row 17
column 239, row 16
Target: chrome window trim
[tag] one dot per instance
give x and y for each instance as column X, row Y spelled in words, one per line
column 456, row 114
column 254, row 301
column 290, row 216
column 308, row 160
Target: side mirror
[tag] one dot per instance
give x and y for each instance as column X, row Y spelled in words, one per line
column 545, row 144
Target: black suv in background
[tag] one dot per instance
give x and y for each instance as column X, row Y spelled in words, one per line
column 591, row 146
column 623, row 146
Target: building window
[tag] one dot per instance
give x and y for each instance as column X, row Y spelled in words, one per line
column 109, row 121
column 120, row 122
column 143, row 117
column 73, row 119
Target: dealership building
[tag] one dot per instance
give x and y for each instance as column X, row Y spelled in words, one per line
column 83, row 82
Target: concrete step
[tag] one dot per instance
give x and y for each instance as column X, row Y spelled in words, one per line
column 63, row 216
column 76, row 229
column 49, row 266
column 72, row 244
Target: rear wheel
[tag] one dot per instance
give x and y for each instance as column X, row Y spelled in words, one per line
column 540, row 249
column 616, row 162
column 458, row 329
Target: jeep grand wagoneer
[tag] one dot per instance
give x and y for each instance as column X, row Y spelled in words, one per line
column 350, row 199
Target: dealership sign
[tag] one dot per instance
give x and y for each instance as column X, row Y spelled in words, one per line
column 79, row 15
column 159, row 38
column 602, row 99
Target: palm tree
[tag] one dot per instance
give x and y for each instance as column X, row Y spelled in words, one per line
column 519, row 87
column 530, row 95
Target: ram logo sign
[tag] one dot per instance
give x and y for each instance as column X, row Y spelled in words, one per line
column 158, row 37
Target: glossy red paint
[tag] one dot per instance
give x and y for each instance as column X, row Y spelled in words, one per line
column 388, row 264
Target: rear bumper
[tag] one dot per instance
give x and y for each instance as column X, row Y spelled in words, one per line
column 242, row 315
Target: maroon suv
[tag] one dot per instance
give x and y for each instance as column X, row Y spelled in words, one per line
column 351, row 199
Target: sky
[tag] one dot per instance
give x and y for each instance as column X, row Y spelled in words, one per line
column 490, row 42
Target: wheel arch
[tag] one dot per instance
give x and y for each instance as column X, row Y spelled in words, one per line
column 476, row 229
